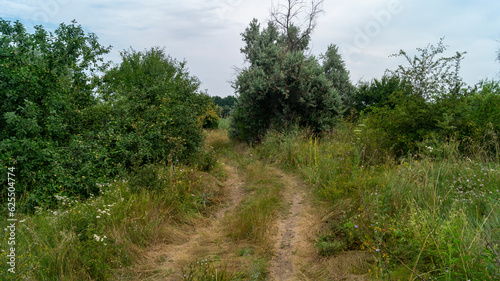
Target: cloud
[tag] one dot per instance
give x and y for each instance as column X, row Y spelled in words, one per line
column 206, row 33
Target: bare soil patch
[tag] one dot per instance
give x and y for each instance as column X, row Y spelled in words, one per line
column 295, row 255
column 292, row 242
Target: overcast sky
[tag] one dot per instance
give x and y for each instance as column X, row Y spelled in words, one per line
column 207, row 33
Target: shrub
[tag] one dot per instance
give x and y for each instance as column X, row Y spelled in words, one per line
column 158, row 111
column 47, row 91
column 65, row 129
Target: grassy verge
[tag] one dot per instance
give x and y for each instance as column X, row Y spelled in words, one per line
column 434, row 216
column 89, row 240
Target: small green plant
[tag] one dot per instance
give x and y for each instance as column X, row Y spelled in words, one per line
column 206, row 159
column 145, row 178
column 328, row 245
column 254, row 217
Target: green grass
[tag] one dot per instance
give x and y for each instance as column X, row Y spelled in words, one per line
column 210, row 270
column 89, row 240
column 250, row 226
column 254, row 218
column 224, row 124
column 426, row 216
column 434, row 216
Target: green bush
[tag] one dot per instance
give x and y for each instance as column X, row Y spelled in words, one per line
column 479, row 117
column 158, row 111
column 403, row 127
column 65, row 129
column 377, row 93
column 224, row 105
column 47, row 89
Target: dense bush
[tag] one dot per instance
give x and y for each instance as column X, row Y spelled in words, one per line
column 65, row 129
column 157, row 108
column 407, row 123
column 224, row 105
column 479, row 118
column 47, row 92
column 416, row 108
column 336, row 72
column 432, row 217
column 377, row 93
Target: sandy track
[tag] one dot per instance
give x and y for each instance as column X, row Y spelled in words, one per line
column 291, row 241
column 164, row 261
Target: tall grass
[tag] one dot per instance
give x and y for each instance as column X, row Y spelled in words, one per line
column 435, row 215
column 89, row 240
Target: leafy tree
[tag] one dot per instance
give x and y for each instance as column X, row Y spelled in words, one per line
column 415, row 103
column 432, row 76
column 377, row 93
column 65, row 129
column 403, row 123
column 158, row 109
column 225, row 105
column 282, row 85
column 47, row 92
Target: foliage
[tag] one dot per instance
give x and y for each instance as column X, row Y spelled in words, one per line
column 431, row 76
column 225, row 105
column 91, row 239
column 47, row 87
column 478, row 117
column 403, row 127
column 420, row 106
column 158, row 110
column 376, row 94
column 335, row 72
column 407, row 123
column 282, row 86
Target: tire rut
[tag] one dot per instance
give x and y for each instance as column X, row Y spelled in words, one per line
column 291, row 240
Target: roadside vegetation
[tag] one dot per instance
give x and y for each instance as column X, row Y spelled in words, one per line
column 111, row 161
column 419, row 216
column 103, row 157
column 407, row 164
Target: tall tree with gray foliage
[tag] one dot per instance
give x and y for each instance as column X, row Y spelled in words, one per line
column 282, row 85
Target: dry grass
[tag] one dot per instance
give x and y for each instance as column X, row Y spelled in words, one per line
column 180, row 244
column 218, row 139
column 254, row 219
